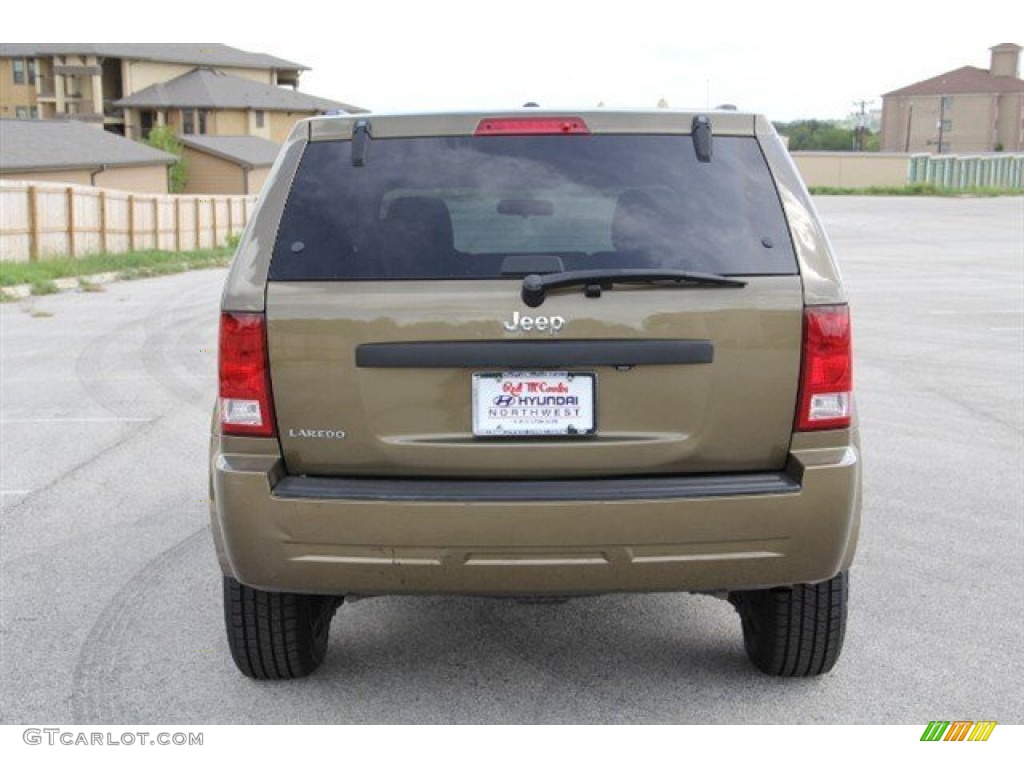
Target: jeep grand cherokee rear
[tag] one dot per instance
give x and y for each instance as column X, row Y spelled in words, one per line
column 535, row 354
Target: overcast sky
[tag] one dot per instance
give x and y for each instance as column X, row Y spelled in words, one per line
column 785, row 59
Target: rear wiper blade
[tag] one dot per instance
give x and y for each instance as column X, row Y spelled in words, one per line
column 535, row 287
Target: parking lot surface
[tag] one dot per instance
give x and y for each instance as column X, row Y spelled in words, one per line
column 111, row 607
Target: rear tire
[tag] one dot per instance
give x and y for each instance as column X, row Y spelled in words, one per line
column 276, row 635
column 794, row 631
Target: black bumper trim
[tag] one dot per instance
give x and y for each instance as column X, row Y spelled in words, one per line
column 501, row 491
column 530, row 354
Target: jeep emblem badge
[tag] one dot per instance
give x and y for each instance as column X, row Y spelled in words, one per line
column 552, row 324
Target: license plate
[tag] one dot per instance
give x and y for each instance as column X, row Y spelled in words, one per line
column 534, row 404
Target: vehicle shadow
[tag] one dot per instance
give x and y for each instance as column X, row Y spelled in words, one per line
column 620, row 658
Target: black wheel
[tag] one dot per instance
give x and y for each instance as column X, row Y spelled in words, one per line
column 276, row 635
column 794, row 631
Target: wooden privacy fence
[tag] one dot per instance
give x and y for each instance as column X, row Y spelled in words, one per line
column 39, row 221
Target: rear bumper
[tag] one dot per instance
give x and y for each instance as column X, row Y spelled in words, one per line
column 379, row 536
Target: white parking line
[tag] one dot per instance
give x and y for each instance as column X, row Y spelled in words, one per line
column 974, row 312
column 73, row 420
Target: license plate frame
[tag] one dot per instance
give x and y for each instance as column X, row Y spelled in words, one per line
column 534, row 404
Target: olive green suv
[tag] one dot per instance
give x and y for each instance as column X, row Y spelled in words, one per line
column 535, row 354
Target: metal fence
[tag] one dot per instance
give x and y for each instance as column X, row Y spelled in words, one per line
column 39, row 221
column 1005, row 171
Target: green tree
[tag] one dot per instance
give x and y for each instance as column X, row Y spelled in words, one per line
column 161, row 137
column 822, row 135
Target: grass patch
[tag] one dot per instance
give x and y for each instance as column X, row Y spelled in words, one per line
column 44, row 287
column 87, row 287
column 152, row 270
column 40, row 313
column 136, row 264
column 918, row 190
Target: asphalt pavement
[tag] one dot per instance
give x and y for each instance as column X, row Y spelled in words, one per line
column 111, row 608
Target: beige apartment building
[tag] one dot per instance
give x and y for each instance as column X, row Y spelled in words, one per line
column 71, row 152
column 227, row 165
column 964, row 111
column 128, row 88
column 211, row 102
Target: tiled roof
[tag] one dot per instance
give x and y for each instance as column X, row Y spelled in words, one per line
column 208, row 88
column 43, row 144
column 252, row 151
column 963, row 80
column 200, row 54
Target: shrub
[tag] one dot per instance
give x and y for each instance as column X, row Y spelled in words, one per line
column 161, row 137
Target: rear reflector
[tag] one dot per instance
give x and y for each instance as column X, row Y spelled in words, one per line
column 826, row 376
column 531, row 126
column 246, row 407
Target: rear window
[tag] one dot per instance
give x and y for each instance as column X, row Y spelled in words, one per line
column 499, row 206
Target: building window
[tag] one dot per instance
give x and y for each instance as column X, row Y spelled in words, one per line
column 190, row 124
column 33, row 112
column 21, row 113
column 18, row 66
column 946, row 125
column 947, row 102
column 260, row 118
column 147, row 118
column 31, row 71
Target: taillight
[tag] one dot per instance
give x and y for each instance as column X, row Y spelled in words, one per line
column 531, row 126
column 246, row 407
column 826, row 375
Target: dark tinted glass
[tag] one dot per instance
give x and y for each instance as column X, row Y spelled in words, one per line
column 480, row 207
